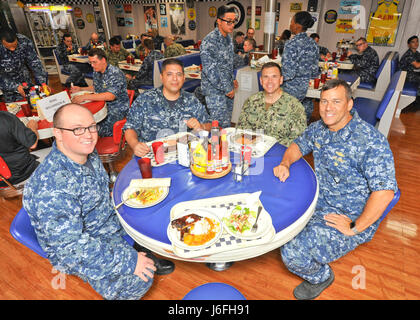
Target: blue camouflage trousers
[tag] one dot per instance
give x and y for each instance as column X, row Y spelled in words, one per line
column 220, row 108
column 308, row 104
column 127, row 287
column 308, row 254
column 75, row 75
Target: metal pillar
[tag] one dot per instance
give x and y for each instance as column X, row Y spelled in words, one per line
column 103, row 5
column 269, row 25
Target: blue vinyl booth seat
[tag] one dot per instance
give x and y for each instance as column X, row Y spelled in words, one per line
column 188, row 60
column 63, row 75
column 376, row 88
column 380, row 113
column 214, row 291
column 22, row 230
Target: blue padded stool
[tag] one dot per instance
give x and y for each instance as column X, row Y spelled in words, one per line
column 22, row 230
column 214, row 291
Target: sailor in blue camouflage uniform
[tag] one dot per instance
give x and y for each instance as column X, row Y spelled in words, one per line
column 76, row 70
column 69, row 205
column 164, row 111
column 410, row 62
column 217, row 57
column 366, row 62
column 110, row 85
column 17, row 58
column 354, row 166
column 145, row 75
column 300, row 61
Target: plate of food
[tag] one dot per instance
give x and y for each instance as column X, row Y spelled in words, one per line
column 144, row 197
column 238, row 222
column 245, row 138
column 194, row 229
column 193, row 75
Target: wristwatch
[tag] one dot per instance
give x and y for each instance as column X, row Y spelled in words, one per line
column 353, row 227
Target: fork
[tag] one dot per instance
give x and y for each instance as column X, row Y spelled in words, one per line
column 129, row 198
column 255, row 226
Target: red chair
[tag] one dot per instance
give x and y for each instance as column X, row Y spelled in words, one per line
column 111, row 148
column 10, row 191
column 130, row 95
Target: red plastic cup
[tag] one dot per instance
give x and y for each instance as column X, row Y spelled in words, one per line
column 316, row 83
column 128, row 59
column 27, row 111
column 145, row 167
column 159, row 151
column 323, row 77
column 334, row 55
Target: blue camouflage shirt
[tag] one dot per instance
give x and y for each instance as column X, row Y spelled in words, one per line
column 15, row 66
column 299, row 64
column 151, row 113
column 71, row 211
column 112, row 80
column 350, row 164
column 216, row 53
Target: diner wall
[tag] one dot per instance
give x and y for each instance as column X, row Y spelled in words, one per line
column 139, row 26
column 329, row 37
column 90, row 27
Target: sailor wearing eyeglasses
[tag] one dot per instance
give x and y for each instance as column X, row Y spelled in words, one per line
column 217, row 81
column 366, row 62
column 67, row 199
column 110, row 85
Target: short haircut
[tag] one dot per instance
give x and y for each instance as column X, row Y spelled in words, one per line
column 239, row 34
column 149, row 44
column 97, row 52
column 305, row 19
column 222, row 10
column 362, row 39
column 170, row 61
column 57, row 118
column 66, row 35
column 271, row 64
column 314, row 36
column 114, row 40
column 8, row 35
column 335, row 83
column 252, row 42
column 411, row 39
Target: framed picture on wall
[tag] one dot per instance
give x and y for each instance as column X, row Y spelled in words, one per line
column 384, row 20
column 150, row 17
column 177, row 13
column 162, row 9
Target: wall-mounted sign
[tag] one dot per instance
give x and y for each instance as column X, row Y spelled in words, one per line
column 90, row 18
column 192, row 25
column 344, row 26
column 212, row 12
column 162, row 9
column 191, row 14
column 384, row 20
column 80, row 24
column 330, row 16
column 77, row 12
column 296, row 6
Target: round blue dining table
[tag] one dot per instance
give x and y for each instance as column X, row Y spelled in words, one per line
column 290, row 203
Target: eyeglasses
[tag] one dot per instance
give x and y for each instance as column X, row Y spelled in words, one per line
column 81, row 130
column 359, row 44
column 229, row 22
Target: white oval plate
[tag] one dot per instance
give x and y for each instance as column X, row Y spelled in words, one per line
column 174, row 236
column 264, row 224
column 136, row 204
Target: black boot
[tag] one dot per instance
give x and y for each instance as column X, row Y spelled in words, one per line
column 163, row 267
